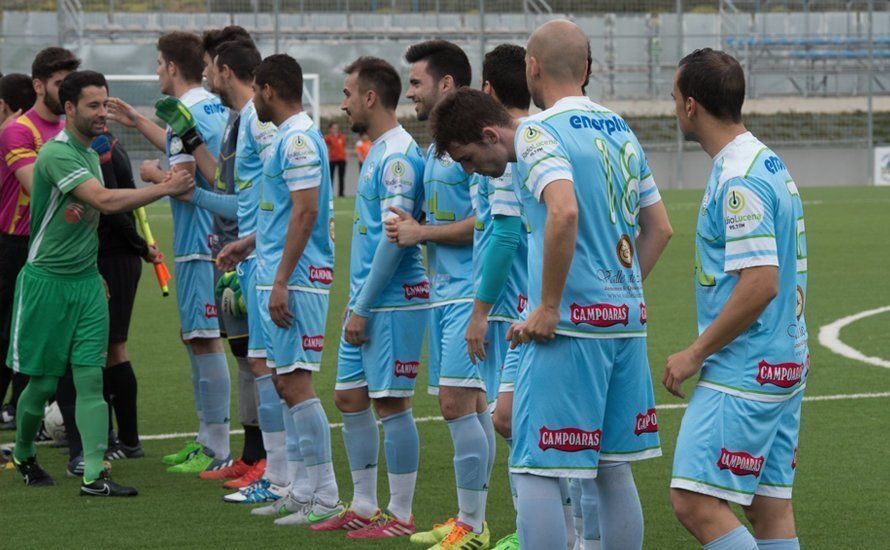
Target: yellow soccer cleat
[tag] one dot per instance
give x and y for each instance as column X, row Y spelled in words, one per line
column 462, row 537
column 434, row 535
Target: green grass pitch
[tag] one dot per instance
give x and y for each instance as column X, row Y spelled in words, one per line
column 841, row 488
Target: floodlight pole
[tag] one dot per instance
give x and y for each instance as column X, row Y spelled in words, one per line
column 869, row 117
column 481, row 34
column 680, row 140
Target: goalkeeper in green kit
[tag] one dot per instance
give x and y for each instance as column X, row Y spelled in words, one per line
column 60, row 315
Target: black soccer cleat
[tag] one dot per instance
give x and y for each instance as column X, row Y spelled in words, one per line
column 34, row 475
column 104, row 487
column 120, row 451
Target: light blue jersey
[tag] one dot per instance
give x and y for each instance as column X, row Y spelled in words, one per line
column 447, row 191
column 298, row 160
column 589, row 145
column 752, row 215
column 498, row 197
column 254, row 145
column 193, row 226
column 391, row 176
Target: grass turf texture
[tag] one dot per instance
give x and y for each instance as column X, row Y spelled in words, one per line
column 840, row 495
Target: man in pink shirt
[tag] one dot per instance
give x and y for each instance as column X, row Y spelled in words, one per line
column 20, row 141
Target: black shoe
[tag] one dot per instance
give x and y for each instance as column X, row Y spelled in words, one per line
column 104, row 487
column 120, row 451
column 34, row 475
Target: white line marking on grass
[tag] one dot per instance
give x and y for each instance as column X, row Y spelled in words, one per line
column 830, row 337
column 666, row 407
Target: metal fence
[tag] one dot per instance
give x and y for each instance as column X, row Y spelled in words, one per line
column 818, row 71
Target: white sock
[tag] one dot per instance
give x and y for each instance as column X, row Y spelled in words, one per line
column 276, row 457
column 401, row 494
column 364, row 492
column 570, row 525
column 299, row 480
column 321, row 476
column 218, row 440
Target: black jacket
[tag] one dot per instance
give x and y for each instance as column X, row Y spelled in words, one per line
column 117, row 232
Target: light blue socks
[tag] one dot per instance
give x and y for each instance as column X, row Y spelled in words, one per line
column 362, row 442
column 470, row 468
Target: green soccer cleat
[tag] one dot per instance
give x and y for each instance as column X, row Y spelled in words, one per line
column 200, row 462
column 510, row 542
column 434, row 535
column 191, row 448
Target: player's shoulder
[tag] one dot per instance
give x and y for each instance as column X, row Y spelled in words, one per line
column 746, row 160
column 18, row 133
column 202, row 104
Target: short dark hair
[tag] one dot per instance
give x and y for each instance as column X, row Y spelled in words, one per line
column 284, row 74
column 459, row 117
column 72, row 87
column 17, row 92
column 184, row 50
column 504, row 68
column 52, row 60
column 378, row 75
column 716, row 81
column 239, row 55
column 211, row 40
column 442, row 58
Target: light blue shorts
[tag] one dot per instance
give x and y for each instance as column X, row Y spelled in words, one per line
column 449, row 361
column 298, row 346
column 511, row 366
column 495, row 356
column 734, row 448
column 195, row 298
column 388, row 363
column 581, row 400
column 256, row 341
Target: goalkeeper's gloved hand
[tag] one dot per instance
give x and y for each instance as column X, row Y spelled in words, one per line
column 181, row 121
column 231, row 299
column 102, row 146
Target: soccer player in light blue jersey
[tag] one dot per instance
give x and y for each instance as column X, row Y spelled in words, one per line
column 386, row 316
column 295, row 267
column 738, row 439
column 437, row 68
column 597, row 229
column 180, row 68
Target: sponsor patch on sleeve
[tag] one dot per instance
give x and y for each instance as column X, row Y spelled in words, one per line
column 742, row 211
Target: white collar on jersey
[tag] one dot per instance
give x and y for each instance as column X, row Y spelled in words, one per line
column 193, row 96
column 737, row 141
column 299, row 121
column 388, row 134
column 246, row 106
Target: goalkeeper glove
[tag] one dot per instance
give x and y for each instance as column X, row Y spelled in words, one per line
column 181, row 121
column 231, row 299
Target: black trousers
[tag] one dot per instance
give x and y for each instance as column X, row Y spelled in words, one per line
column 339, row 165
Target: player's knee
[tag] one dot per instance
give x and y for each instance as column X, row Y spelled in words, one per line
column 456, row 402
column 686, row 507
column 769, row 516
column 389, row 406
column 349, row 401
column 203, row 346
column 258, row 367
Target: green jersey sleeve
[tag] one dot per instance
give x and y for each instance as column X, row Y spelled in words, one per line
column 67, row 169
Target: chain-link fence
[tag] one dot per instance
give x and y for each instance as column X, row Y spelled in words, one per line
column 818, row 71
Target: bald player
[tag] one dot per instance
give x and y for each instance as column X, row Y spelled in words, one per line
column 597, row 229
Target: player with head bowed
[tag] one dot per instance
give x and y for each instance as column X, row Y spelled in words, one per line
column 738, row 439
column 593, row 208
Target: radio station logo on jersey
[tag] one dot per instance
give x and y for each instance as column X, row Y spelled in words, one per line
column 408, row 369
column 396, row 179
column 744, row 211
column 323, row 275
column 740, row 463
column 599, row 315
column 534, row 143
column 209, row 311
column 569, row 440
column 417, row 290
column 646, row 423
column 298, row 149
column 783, row 375
column 313, row 343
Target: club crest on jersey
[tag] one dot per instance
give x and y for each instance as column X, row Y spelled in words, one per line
column 521, row 305
column 323, row 275
column 625, row 251
column 644, row 315
column 209, row 311
column 74, row 212
column 740, row 463
column 783, row 375
column 313, row 343
column 417, row 290
column 801, row 299
column 408, row 369
column 599, row 315
column 569, row 440
column 331, row 229
column 647, row 423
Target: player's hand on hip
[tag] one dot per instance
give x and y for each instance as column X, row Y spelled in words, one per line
column 278, row 308
column 541, row 324
column 180, row 184
column 354, row 331
column 679, row 368
column 516, row 335
column 403, row 229
column 477, row 330
column 122, row 112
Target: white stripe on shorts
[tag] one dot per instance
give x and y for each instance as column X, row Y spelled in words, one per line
column 705, row 489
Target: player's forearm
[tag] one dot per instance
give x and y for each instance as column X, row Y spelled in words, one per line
column 156, row 135
column 205, row 162
column 114, row 201
column 655, row 233
column 383, row 266
column 225, row 206
column 755, row 290
column 299, row 229
column 502, row 245
column 560, row 235
column 457, row 233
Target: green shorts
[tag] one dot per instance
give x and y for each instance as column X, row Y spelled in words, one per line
column 57, row 321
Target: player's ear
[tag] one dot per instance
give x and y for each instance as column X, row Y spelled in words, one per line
column 446, row 83
column 39, row 88
column 490, row 136
column 370, row 99
column 691, row 107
